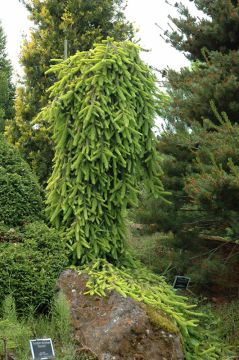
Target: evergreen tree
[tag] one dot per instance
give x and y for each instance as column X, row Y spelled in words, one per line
column 6, row 87
column 80, row 22
column 212, row 43
column 103, row 145
column 216, row 31
column 192, row 89
column 213, row 187
column 199, row 145
column 201, row 92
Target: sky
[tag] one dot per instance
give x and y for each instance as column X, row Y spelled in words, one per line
column 14, row 19
column 143, row 13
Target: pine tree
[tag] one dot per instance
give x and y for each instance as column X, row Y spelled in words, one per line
column 216, row 31
column 201, row 92
column 199, row 145
column 80, row 22
column 212, row 43
column 192, row 89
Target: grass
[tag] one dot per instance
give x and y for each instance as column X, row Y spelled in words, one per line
column 15, row 333
column 228, row 322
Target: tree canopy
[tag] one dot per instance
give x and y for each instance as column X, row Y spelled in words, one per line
column 102, row 111
column 192, row 89
column 80, row 22
column 199, row 142
column 215, row 30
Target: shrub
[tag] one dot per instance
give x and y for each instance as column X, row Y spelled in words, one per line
column 30, row 261
column 20, row 197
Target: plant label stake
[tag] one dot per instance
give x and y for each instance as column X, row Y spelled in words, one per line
column 42, row 349
column 181, row 282
column 65, row 49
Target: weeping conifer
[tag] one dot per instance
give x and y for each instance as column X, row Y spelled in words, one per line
column 102, row 112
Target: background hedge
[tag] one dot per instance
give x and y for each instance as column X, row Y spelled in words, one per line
column 20, row 194
column 31, row 259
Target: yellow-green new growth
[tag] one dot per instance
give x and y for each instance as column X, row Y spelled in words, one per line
column 147, row 288
column 102, row 113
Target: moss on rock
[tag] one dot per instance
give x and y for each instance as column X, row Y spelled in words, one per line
column 160, row 320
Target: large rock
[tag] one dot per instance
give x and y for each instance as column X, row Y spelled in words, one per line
column 115, row 327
